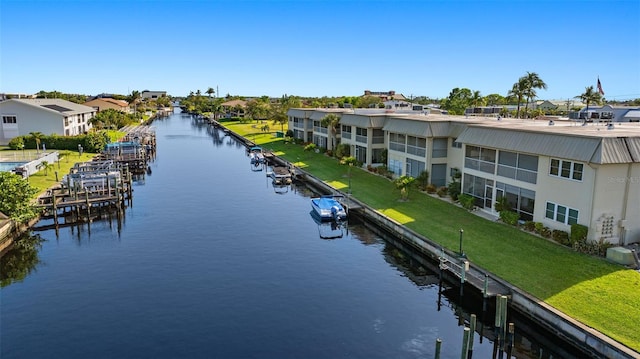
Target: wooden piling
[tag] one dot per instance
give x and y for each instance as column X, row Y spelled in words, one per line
column 465, row 343
column 438, row 346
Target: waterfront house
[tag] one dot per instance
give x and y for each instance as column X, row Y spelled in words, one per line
column 152, row 95
column 557, row 172
column 105, row 103
column 48, row 116
column 234, row 108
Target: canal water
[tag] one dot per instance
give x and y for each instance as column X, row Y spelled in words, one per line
column 212, row 261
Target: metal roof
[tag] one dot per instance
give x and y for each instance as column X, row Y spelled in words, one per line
column 600, row 150
column 56, row 105
column 408, row 127
column 363, row 121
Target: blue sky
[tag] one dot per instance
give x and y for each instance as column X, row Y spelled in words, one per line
column 319, row 47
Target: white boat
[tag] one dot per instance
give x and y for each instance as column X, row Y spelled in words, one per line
column 328, row 208
column 256, row 156
column 280, row 175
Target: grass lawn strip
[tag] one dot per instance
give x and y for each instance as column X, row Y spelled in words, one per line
column 593, row 291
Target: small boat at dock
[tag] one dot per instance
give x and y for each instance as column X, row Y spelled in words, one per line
column 256, row 156
column 328, row 208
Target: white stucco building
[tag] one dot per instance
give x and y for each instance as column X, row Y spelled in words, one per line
column 48, row 116
column 555, row 172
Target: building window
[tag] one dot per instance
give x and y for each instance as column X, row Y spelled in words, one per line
column 566, row 169
column 395, row 166
column 519, row 199
column 361, row 135
column 481, row 159
column 377, row 136
column 417, row 146
column 346, row 131
column 9, row 119
column 439, row 147
column 518, row 166
column 562, row 214
column 455, row 143
column 397, row 142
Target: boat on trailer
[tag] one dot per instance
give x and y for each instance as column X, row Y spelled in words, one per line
column 328, row 208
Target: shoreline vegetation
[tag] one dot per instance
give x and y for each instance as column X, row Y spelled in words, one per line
column 590, row 289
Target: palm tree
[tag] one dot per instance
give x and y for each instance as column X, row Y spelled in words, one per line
column 210, row 91
column 518, row 91
column 532, row 81
column 588, row 96
column 37, row 136
column 332, row 122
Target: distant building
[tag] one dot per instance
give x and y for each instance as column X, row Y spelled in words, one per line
column 385, row 95
column 152, row 95
column 48, row 116
column 606, row 113
column 234, row 108
column 105, row 103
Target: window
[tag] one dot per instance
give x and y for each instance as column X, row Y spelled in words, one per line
column 566, row 169
column 346, row 132
column 518, row 166
column 397, row 142
column 9, row 119
column 455, row 143
column 561, row 213
column 478, row 158
column 439, row 147
column 417, row 146
column 361, row 135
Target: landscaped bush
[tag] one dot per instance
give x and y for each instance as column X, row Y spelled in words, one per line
column 431, row 188
column 342, row 150
column 510, row 217
column 561, row 237
column 454, row 190
column 538, row 227
column 545, row 232
column 530, row 226
column 598, row 248
column 310, row 147
column 578, row 233
column 466, row 201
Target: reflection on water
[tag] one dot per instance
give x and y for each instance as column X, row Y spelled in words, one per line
column 211, row 261
column 20, row 259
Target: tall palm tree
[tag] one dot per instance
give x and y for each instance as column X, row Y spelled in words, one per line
column 518, row 91
column 588, row 96
column 37, row 136
column 532, row 81
column 210, row 91
column 332, row 122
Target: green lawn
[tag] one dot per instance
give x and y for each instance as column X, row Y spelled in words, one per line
column 597, row 293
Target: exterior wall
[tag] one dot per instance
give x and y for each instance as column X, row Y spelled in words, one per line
column 616, row 204
column 31, row 119
column 153, row 94
column 563, row 191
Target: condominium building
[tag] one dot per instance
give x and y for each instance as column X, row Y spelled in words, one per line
column 555, row 171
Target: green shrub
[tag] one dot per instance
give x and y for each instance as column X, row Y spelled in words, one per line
column 454, row 190
column 545, row 232
column 431, row 188
column 310, row 147
column 501, row 204
column 598, row 248
column 561, row 237
column 343, row 150
column 510, row 217
column 442, row 191
column 578, row 233
column 530, row 226
column 467, row 201
column 539, row 227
